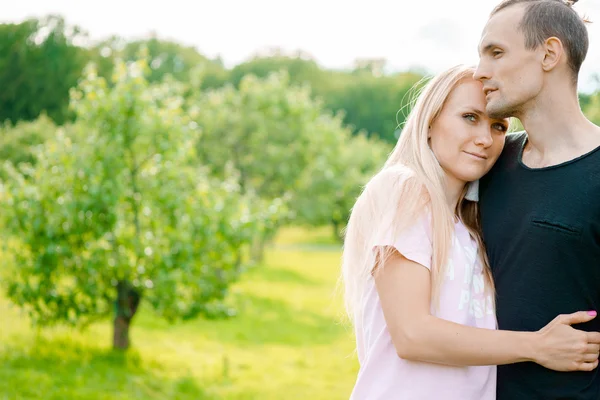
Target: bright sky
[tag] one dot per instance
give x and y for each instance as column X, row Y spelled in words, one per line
column 431, row 34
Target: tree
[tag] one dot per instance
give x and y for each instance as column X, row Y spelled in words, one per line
column 591, row 106
column 40, row 61
column 118, row 211
column 18, row 142
column 371, row 103
column 584, row 100
column 166, row 58
column 270, row 132
column 593, row 110
column 368, row 99
column 300, row 71
column 333, row 183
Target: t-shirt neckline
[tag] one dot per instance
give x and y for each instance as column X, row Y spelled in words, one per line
column 549, row 167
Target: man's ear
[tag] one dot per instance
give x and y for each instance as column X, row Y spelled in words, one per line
column 554, row 53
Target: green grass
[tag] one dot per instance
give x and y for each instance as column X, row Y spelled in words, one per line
column 287, row 342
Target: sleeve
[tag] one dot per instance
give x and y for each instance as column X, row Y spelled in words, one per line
column 401, row 220
column 413, row 242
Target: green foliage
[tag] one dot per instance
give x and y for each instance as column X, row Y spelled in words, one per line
column 39, row 63
column 368, row 102
column 284, row 145
column 121, row 199
column 165, row 59
column 266, row 131
column 300, row 71
column 371, row 103
column 592, row 108
column 287, row 339
column 334, row 182
column 584, row 100
column 47, row 62
column 17, row 142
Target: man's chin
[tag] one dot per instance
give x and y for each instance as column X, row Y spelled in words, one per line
column 499, row 111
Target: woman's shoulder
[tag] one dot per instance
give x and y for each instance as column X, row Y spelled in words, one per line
column 397, row 183
column 391, row 177
column 393, row 188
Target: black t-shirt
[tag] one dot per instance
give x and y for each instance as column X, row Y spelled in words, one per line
column 542, row 232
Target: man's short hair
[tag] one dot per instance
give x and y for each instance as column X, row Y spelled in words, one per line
column 553, row 18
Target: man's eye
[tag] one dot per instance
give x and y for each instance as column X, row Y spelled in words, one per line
column 501, row 127
column 496, row 53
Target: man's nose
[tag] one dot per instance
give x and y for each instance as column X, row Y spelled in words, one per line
column 481, row 73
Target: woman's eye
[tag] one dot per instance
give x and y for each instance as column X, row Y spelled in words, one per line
column 496, row 53
column 470, row 117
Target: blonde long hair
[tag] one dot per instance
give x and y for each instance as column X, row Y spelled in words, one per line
column 411, row 183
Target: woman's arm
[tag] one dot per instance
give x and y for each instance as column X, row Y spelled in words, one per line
column 404, row 289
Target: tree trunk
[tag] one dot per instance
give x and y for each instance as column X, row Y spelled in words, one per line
column 128, row 300
column 258, row 248
column 121, row 333
column 238, row 260
column 337, row 231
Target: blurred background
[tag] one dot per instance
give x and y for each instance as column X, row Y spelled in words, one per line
column 175, row 179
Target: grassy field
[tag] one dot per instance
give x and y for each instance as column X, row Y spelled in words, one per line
column 286, row 343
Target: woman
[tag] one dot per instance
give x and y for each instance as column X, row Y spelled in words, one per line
column 417, row 283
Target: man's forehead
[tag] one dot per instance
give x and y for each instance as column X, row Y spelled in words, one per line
column 508, row 18
column 501, row 27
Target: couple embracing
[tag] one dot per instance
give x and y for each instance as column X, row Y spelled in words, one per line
column 471, row 261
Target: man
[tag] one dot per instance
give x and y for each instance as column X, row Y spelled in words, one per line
column 540, row 204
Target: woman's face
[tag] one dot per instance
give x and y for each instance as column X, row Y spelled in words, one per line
column 465, row 141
